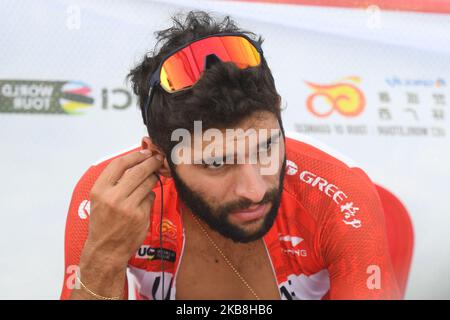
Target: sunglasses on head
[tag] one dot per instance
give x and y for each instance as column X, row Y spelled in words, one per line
column 182, row 68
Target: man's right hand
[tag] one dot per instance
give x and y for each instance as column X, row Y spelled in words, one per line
column 121, row 201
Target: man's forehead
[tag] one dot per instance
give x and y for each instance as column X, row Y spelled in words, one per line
column 260, row 126
column 246, row 138
column 236, row 136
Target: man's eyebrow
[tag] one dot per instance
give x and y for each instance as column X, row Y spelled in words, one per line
column 272, row 139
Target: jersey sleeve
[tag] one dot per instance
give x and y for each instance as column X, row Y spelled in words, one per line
column 353, row 242
column 77, row 224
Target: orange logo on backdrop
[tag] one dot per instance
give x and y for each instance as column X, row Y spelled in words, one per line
column 342, row 96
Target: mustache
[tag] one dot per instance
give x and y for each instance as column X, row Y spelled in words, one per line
column 242, row 204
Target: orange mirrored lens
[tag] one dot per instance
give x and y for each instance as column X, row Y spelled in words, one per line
column 184, row 68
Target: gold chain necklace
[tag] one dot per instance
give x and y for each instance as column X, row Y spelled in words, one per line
column 226, row 259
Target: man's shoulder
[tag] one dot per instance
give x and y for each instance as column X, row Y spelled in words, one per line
column 302, row 146
column 328, row 185
column 311, row 163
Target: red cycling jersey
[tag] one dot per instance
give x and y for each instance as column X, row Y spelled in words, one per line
column 328, row 240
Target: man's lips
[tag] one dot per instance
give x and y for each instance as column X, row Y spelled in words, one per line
column 255, row 212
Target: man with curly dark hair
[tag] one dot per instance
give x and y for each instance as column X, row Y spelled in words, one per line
column 217, row 203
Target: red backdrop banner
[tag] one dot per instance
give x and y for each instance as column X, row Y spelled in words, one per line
column 431, row 6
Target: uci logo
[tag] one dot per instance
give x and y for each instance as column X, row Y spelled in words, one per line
column 146, row 252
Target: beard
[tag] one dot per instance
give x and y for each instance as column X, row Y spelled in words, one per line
column 217, row 219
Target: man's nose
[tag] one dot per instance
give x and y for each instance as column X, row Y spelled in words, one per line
column 250, row 183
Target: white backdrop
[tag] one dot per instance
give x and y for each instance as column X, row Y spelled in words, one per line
column 64, row 104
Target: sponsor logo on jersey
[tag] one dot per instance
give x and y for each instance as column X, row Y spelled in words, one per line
column 151, row 253
column 292, row 242
column 295, row 252
column 84, row 209
column 292, row 239
column 169, row 230
column 323, row 185
column 291, row 168
column 348, row 209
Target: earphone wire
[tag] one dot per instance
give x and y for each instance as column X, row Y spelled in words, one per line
column 161, row 238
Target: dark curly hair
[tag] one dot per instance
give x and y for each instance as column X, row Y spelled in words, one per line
column 224, row 96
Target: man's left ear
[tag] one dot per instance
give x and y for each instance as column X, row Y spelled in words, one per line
column 164, row 170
